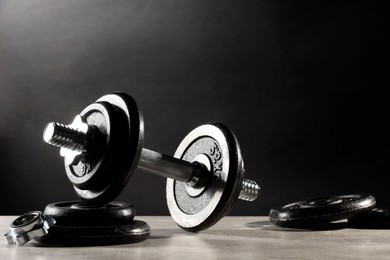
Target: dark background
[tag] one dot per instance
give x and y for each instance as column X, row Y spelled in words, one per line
column 302, row 85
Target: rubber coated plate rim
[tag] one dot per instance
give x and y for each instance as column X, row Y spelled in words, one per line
column 227, row 180
column 377, row 218
column 307, row 213
column 79, row 213
column 134, row 143
column 134, row 232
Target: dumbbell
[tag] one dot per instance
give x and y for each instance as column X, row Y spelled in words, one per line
column 104, row 145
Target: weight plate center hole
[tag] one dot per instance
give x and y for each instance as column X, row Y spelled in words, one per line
column 25, row 219
column 205, row 160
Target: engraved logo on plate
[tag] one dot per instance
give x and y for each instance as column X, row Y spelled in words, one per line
column 216, row 156
column 87, row 167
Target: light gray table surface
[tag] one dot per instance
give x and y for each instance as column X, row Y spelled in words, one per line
column 231, row 238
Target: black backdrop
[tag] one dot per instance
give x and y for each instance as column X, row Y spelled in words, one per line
column 301, row 84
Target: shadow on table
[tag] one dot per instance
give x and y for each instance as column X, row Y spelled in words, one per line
column 266, row 225
column 159, row 234
column 168, row 233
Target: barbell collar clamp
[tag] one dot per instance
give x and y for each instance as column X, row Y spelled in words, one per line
column 28, row 226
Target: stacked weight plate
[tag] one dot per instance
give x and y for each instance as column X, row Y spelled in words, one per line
column 99, row 175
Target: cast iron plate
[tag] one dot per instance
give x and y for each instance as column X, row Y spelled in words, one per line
column 217, row 143
column 310, row 212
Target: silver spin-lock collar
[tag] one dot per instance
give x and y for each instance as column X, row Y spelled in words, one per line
column 27, row 227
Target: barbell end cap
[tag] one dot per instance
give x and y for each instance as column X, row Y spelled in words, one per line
column 250, row 190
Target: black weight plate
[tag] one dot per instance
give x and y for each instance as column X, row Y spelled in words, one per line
column 377, row 218
column 196, row 210
column 68, row 235
column 78, row 213
column 93, row 174
column 122, row 156
column 127, row 155
column 311, row 212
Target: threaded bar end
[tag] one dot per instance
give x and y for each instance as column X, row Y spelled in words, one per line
column 64, row 136
column 250, row 190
